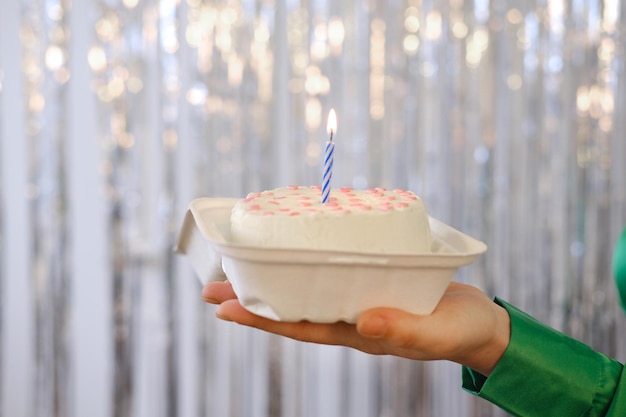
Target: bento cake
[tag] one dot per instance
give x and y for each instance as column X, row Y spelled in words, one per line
column 370, row 221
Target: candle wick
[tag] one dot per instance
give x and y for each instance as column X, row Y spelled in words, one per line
column 331, row 135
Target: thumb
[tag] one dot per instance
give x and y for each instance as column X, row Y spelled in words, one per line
column 403, row 334
column 391, row 324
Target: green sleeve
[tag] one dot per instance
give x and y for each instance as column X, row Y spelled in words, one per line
column 546, row 373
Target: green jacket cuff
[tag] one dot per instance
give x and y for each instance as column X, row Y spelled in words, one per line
column 546, row 373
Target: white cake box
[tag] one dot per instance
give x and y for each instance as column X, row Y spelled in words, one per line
column 320, row 286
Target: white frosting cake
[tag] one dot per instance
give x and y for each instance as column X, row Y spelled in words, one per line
column 374, row 220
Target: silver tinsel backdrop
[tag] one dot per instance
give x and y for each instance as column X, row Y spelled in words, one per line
column 507, row 117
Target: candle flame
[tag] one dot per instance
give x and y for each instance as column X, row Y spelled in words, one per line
column 331, row 127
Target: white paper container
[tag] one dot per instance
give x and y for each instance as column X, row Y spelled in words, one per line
column 320, row 286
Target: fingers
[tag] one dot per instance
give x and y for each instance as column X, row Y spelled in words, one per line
column 218, row 292
column 230, row 309
column 324, row 333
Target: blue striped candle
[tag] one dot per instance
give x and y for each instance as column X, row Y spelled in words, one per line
column 329, row 157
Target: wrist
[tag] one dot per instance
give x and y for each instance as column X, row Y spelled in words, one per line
column 487, row 357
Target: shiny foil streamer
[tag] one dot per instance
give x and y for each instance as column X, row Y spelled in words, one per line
column 45, row 38
column 505, row 117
